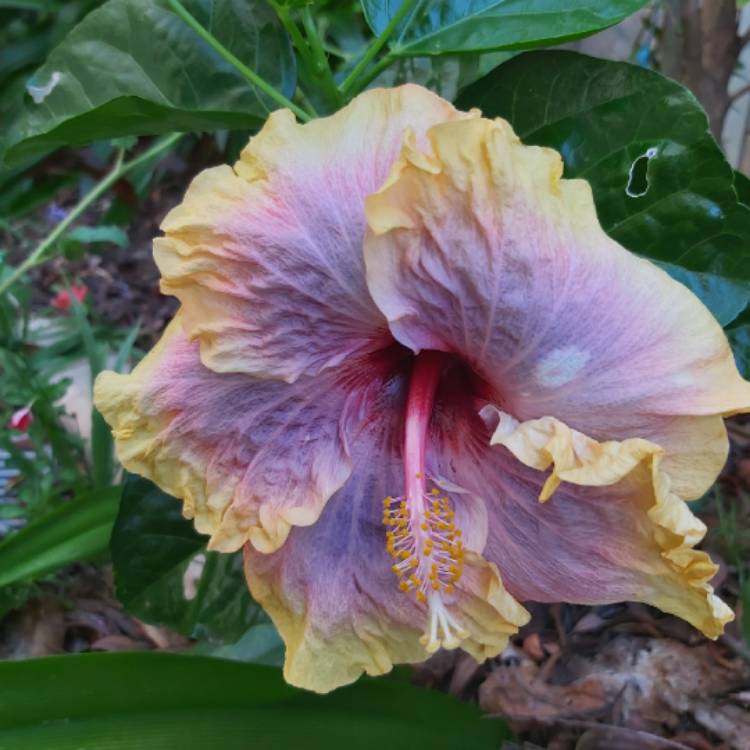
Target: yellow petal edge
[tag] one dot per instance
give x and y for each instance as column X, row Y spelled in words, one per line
column 369, row 638
column 578, row 459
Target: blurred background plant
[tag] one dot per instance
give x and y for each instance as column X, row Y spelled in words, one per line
column 108, row 110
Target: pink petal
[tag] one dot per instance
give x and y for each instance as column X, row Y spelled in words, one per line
column 332, row 594
column 250, row 458
column 267, row 257
column 479, row 248
column 609, row 527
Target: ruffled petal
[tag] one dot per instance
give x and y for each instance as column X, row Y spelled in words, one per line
column 332, row 594
column 606, row 525
column 266, row 258
column 250, row 458
column 479, row 248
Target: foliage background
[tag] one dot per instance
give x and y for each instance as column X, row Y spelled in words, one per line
column 108, row 109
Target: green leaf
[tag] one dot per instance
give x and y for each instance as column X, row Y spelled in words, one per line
column 445, row 75
column 163, row 574
column 440, row 27
column 745, row 601
column 79, row 530
column 739, row 337
column 603, row 117
column 133, row 67
column 90, row 235
column 742, row 186
column 159, row 701
column 260, row 644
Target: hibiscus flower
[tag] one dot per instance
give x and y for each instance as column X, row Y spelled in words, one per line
column 417, row 382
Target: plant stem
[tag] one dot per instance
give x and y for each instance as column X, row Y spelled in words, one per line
column 321, row 67
column 296, row 36
column 348, row 85
column 305, row 101
column 247, row 73
column 118, row 170
column 374, row 72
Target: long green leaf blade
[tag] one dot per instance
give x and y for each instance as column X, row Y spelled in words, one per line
column 159, row 701
column 79, row 530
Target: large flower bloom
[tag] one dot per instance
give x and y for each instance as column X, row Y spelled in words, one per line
column 414, row 378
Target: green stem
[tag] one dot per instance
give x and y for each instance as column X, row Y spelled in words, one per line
column 321, row 66
column 295, row 34
column 305, row 101
column 118, row 170
column 348, row 85
column 375, row 71
column 247, row 73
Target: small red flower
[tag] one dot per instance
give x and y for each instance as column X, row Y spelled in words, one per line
column 21, row 420
column 62, row 300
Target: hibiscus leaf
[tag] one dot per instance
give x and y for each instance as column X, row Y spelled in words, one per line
column 739, row 337
column 134, row 67
column 662, row 186
column 163, row 574
column 742, row 186
column 442, row 27
column 155, row 701
column 445, row 75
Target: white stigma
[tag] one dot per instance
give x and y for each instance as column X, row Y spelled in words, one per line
column 442, row 631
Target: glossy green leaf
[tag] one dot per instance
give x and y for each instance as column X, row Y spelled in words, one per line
column 439, row 27
column 163, row 574
column 739, row 337
column 79, row 530
column 445, row 75
column 260, row 644
column 603, row 117
column 742, row 186
column 158, row 701
column 133, row 67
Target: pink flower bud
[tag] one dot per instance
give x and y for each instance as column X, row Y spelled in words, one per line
column 21, row 420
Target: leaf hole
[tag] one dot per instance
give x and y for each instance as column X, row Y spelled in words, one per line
column 638, row 174
column 192, row 576
column 39, row 92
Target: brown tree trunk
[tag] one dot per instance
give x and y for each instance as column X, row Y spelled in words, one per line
column 699, row 47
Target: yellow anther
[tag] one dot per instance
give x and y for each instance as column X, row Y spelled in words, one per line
column 422, row 539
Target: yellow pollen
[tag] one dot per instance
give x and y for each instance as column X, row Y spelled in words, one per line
column 422, row 538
